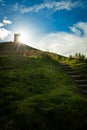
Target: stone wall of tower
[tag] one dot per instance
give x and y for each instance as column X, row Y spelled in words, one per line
column 16, row 38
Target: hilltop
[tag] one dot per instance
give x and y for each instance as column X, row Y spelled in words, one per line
column 10, row 48
column 36, row 93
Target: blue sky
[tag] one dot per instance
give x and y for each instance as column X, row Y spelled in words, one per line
column 59, row 26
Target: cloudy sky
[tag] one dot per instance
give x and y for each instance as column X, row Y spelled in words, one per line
column 58, row 26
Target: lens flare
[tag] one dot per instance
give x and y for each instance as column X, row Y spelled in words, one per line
column 25, row 36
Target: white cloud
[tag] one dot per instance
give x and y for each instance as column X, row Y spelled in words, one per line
column 83, row 26
column 65, row 43
column 5, row 21
column 55, row 6
column 75, row 30
column 80, row 28
column 4, row 33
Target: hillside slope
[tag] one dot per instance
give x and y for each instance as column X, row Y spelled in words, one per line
column 36, row 93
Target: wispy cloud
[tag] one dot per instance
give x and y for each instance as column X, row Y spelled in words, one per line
column 16, row 6
column 1, row 1
column 3, row 31
column 55, row 6
column 66, row 43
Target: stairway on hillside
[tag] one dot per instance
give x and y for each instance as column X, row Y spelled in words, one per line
column 80, row 81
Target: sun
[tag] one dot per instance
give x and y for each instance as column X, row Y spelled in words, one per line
column 23, row 38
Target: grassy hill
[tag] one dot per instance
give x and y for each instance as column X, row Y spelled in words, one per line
column 36, row 93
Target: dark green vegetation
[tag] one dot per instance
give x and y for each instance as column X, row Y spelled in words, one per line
column 36, row 93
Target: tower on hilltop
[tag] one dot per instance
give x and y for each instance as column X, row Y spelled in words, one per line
column 16, row 38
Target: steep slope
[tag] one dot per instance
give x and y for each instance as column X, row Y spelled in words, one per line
column 36, row 93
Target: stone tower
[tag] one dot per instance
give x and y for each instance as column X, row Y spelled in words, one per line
column 16, row 38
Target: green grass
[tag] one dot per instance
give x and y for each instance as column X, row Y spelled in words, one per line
column 37, row 94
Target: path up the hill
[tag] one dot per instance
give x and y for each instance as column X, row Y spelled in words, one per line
column 81, row 82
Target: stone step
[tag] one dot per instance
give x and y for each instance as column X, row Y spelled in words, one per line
column 82, row 85
column 77, row 77
column 67, row 67
column 84, row 91
column 81, row 81
column 63, row 63
column 71, row 72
